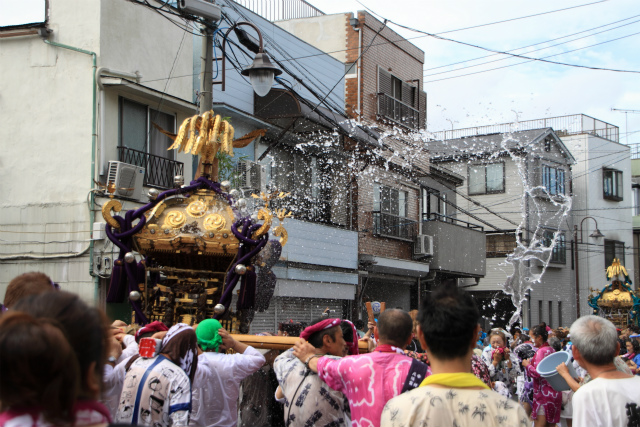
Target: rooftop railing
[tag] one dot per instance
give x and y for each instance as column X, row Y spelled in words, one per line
column 575, row 124
column 280, row 10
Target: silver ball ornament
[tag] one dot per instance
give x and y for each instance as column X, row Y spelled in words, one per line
column 225, row 186
column 240, row 269
column 235, row 193
column 153, row 194
column 219, row 309
column 254, row 218
column 129, row 257
column 134, row 295
column 241, row 203
column 178, row 181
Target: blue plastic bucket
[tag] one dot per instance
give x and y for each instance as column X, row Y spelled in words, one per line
column 547, row 370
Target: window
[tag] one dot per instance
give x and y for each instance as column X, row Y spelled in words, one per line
column 550, row 314
column 613, row 249
column 142, row 144
column 434, row 204
column 500, row 245
column 635, row 194
column 390, row 212
column 547, row 144
column 398, row 100
column 540, row 312
column 559, row 313
column 553, row 180
column 559, row 251
column 612, row 184
column 350, row 68
column 486, row 179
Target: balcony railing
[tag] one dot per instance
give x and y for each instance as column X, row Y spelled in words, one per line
column 397, row 111
column 574, row 124
column 159, row 171
column 444, row 218
column 393, row 226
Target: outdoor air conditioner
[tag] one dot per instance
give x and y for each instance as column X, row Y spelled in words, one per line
column 423, row 246
column 251, row 176
column 128, row 179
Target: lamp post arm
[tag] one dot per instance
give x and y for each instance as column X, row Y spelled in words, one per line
column 224, row 46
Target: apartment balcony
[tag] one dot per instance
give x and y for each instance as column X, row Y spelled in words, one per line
column 459, row 247
column 393, row 226
column 159, row 171
column 398, row 112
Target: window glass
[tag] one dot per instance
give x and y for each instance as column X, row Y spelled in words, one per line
column 350, row 68
column 402, row 204
column 158, row 142
column 495, row 177
column 559, row 251
column 477, row 183
column 613, row 249
column 612, row 184
column 133, row 125
column 635, row 193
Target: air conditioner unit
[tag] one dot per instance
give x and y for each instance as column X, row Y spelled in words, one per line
column 251, row 176
column 423, row 246
column 128, row 179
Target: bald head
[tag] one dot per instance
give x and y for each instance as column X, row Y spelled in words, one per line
column 394, row 327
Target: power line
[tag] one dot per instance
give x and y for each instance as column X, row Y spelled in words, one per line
column 544, row 60
column 536, row 50
column 515, row 55
column 534, row 44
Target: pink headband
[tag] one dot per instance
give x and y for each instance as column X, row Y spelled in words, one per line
column 353, row 345
column 320, row 326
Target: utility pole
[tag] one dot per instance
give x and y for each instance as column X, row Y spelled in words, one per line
column 206, row 81
column 626, row 120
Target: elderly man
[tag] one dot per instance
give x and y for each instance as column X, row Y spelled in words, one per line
column 451, row 396
column 370, row 380
column 307, row 399
column 612, row 397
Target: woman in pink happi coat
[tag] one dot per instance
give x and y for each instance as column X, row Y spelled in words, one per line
column 547, row 402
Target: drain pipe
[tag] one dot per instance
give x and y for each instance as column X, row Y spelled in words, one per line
column 93, row 152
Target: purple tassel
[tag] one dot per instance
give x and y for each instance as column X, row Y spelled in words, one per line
column 247, row 299
column 118, row 283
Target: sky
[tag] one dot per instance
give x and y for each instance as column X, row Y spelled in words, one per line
column 528, row 91
column 532, row 90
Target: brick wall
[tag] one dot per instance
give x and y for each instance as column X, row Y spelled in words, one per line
column 367, row 242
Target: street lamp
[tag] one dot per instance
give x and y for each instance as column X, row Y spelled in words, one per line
column 596, row 234
column 261, row 73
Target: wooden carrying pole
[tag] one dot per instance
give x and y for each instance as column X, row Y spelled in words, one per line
column 370, row 313
column 279, row 343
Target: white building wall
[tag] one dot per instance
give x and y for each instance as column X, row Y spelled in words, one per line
column 557, row 285
column 326, row 32
column 47, row 128
column 614, row 218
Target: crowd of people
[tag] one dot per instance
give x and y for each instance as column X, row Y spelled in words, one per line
column 64, row 364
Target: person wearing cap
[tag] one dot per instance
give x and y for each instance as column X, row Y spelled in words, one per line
column 370, row 380
column 307, row 399
column 216, row 386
